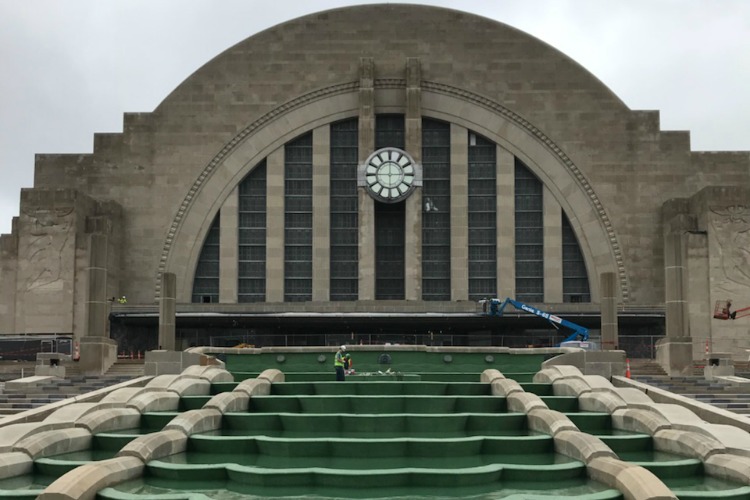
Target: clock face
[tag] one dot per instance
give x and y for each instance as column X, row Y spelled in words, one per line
column 389, row 174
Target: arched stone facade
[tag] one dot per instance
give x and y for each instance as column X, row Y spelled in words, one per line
column 141, row 205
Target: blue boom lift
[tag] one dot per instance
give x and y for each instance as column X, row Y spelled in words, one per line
column 495, row 307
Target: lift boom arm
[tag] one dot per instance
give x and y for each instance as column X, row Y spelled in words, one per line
column 494, row 307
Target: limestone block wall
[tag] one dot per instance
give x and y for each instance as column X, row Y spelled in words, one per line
column 727, row 214
column 711, row 230
column 49, row 228
column 44, row 262
column 8, row 272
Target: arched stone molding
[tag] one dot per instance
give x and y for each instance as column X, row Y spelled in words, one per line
column 546, row 159
column 236, row 159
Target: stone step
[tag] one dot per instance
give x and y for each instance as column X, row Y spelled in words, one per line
column 726, row 403
column 716, row 393
column 5, row 412
column 41, row 391
column 126, row 371
column 639, row 367
column 23, row 406
column 739, row 410
column 718, row 401
column 722, row 395
column 48, row 399
column 719, row 394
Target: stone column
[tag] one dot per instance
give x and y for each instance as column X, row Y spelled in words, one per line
column 275, row 228
column 698, row 296
column 553, row 276
column 413, row 223
column 96, row 303
column 459, row 213
column 321, row 231
column 366, row 203
column 97, row 351
column 167, row 311
column 229, row 248
column 608, row 287
column 675, row 352
column 506, row 224
column 674, row 281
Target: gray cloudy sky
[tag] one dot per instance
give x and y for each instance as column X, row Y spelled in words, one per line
column 71, row 68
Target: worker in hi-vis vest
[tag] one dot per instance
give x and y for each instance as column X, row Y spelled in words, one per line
column 339, row 364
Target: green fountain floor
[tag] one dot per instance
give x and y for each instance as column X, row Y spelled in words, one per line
column 154, row 488
column 701, row 487
column 332, row 425
column 365, row 463
column 24, row 483
column 374, row 439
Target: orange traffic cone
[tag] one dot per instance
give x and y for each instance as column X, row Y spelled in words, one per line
column 627, row 368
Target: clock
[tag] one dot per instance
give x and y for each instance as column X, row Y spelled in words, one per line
column 389, row 175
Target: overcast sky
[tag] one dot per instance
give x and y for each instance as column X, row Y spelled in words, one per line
column 70, row 68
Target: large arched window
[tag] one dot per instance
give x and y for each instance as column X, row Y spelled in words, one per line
column 483, row 242
column 206, row 282
column 529, row 235
column 251, row 233
column 298, row 213
column 344, row 211
column 482, row 217
column 575, row 277
column 389, row 220
column 436, row 210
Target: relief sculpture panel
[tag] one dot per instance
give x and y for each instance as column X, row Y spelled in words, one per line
column 731, row 234
column 49, row 233
column 729, row 262
column 46, row 271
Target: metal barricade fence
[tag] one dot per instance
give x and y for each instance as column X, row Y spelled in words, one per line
column 635, row 346
column 26, row 347
column 639, row 346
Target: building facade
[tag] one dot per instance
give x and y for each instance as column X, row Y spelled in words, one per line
column 381, row 168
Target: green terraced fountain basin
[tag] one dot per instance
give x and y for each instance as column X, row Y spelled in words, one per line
column 427, row 436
